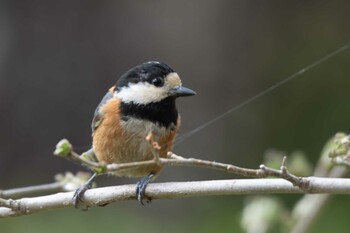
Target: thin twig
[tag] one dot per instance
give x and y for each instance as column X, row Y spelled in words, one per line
column 175, row 160
column 32, row 190
column 63, row 183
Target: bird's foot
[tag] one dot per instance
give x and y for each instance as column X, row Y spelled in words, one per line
column 78, row 196
column 141, row 188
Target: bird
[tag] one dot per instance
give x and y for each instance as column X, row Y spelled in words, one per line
column 141, row 103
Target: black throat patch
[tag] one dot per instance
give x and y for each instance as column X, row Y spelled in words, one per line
column 163, row 113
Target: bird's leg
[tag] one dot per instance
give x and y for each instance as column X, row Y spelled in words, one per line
column 141, row 187
column 79, row 193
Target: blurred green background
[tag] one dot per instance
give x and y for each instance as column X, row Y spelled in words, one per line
column 58, row 58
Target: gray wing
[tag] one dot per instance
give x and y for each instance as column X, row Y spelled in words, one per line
column 97, row 115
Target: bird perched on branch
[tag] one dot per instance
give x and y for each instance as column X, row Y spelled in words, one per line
column 141, row 103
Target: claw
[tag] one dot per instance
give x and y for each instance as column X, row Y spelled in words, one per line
column 141, row 188
column 78, row 196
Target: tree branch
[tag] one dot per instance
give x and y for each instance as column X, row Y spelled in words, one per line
column 102, row 196
column 65, row 149
column 63, row 183
column 31, row 190
column 106, row 195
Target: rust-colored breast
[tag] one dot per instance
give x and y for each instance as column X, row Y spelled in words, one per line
column 107, row 136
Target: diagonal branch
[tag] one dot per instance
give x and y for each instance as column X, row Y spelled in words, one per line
column 65, row 149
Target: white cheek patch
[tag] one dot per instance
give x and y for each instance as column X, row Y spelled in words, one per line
column 145, row 93
column 141, row 93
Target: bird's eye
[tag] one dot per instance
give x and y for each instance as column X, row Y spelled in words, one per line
column 158, row 82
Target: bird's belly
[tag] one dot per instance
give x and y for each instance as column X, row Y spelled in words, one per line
column 129, row 145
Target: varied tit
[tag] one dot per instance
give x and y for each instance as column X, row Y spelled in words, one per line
column 141, row 102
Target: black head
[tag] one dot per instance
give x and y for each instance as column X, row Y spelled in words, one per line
column 151, row 72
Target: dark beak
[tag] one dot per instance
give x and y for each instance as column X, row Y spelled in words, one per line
column 181, row 91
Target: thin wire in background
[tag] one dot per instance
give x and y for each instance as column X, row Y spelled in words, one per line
column 330, row 55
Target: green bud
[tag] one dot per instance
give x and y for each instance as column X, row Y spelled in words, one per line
column 341, row 145
column 63, row 148
column 101, row 169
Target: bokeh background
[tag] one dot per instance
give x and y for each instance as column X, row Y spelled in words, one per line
column 58, row 58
